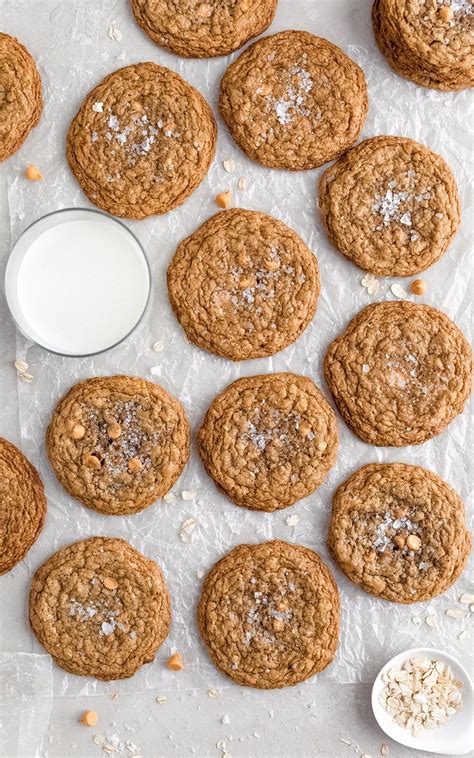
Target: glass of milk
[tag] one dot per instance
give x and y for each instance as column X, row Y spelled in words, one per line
column 77, row 282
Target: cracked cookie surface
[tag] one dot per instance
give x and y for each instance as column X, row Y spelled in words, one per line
column 243, row 285
column 269, row 440
column 399, row 373
column 390, row 205
column 142, row 141
column 430, row 42
column 21, row 99
column 197, row 29
column 398, row 531
column 269, row 614
column 22, row 506
column 100, row 608
column 294, row 101
column 118, row 443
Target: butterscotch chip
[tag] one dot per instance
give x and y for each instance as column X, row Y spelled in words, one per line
column 110, row 583
column 142, row 141
column 126, row 474
column 78, row 432
column 243, row 285
column 206, row 29
column 364, row 521
column 89, row 718
column 223, row 199
column 21, row 99
column 390, row 206
column 175, row 662
column 418, row 377
column 429, row 42
column 22, row 506
column 238, row 610
column 418, row 287
column 276, row 109
column 251, row 446
column 33, row 173
column 89, row 631
column 114, row 431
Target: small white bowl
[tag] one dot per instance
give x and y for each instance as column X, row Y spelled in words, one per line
column 456, row 737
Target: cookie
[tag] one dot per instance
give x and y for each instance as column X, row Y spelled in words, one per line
column 118, row 443
column 100, row 608
column 399, row 373
column 269, row 614
column 427, row 41
column 390, row 205
column 269, row 440
column 294, row 101
column 21, row 99
column 196, row 29
column 22, row 506
column 398, row 532
column 142, row 141
column 243, row 285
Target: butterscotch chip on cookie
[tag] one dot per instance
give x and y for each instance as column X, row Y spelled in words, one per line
column 269, row 614
column 430, row 42
column 142, row 141
column 399, row 373
column 398, row 531
column 203, row 28
column 243, row 285
column 21, row 99
column 22, row 506
column 118, row 443
column 91, row 628
column 294, row 101
column 269, row 440
column 390, row 206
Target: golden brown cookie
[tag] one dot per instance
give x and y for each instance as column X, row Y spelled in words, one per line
column 21, row 99
column 22, row 506
column 398, row 531
column 428, row 41
column 197, row 29
column 269, row 440
column 399, row 373
column 269, row 614
column 100, row 608
column 243, row 285
column 294, row 101
column 390, row 205
column 142, row 141
column 118, row 443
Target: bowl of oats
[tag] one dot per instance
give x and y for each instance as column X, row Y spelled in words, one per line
column 423, row 698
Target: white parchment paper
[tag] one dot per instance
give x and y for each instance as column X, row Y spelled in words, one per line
column 76, row 55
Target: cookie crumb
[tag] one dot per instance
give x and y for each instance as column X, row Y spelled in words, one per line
column 175, row 662
column 89, row 718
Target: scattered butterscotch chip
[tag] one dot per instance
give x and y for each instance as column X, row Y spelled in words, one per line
column 110, row 583
column 413, row 542
column 223, row 199
column 399, row 541
column 446, row 13
column 114, row 431
column 78, row 432
column 33, row 173
column 175, row 662
column 89, row 718
column 418, row 287
column 92, row 461
column 304, row 428
column 135, row 465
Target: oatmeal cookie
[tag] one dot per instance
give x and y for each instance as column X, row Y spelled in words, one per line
column 142, row 141
column 269, row 614
column 22, row 506
column 430, row 42
column 196, row 29
column 294, row 101
column 398, row 531
column 100, row 608
column 399, row 373
column 243, row 285
column 118, row 443
column 21, row 99
column 269, row 440
column 390, row 205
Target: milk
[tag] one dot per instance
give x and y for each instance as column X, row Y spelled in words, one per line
column 77, row 282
